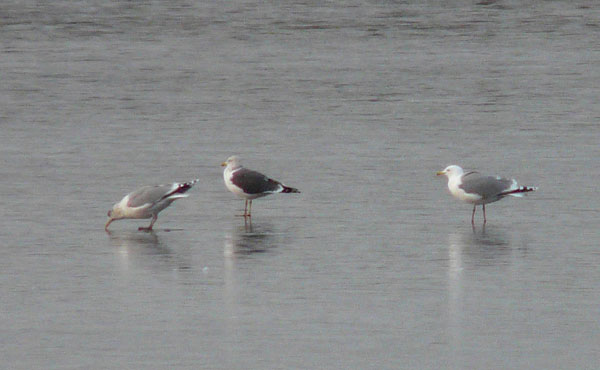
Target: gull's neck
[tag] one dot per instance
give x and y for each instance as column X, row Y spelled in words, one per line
column 234, row 167
column 454, row 181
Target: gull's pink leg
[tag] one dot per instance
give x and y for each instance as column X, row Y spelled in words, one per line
column 473, row 216
column 108, row 223
column 149, row 228
column 484, row 219
column 245, row 209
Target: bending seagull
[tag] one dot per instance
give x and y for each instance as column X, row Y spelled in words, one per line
column 148, row 201
column 250, row 184
column 475, row 188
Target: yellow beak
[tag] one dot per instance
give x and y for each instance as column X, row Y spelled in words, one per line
column 224, row 164
column 440, row 173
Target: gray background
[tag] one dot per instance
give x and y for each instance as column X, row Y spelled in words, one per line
column 357, row 103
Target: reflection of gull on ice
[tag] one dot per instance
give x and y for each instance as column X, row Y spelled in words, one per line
column 240, row 246
column 248, row 239
column 146, row 248
column 478, row 247
column 468, row 249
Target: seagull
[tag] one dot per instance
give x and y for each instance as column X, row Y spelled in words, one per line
column 148, row 201
column 250, row 184
column 475, row 188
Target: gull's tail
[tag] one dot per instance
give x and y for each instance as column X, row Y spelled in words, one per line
column 183, row 187
column 179, row 189
column 519, row 191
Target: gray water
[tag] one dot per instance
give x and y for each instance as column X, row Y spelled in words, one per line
column 374, row 265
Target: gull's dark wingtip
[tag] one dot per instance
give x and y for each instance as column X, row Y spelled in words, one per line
column 287, row 189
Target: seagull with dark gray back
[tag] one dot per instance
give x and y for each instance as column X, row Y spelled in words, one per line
column 250, row 184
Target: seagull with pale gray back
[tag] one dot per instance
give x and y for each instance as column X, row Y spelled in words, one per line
column 147, row 202
column 474, row 188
